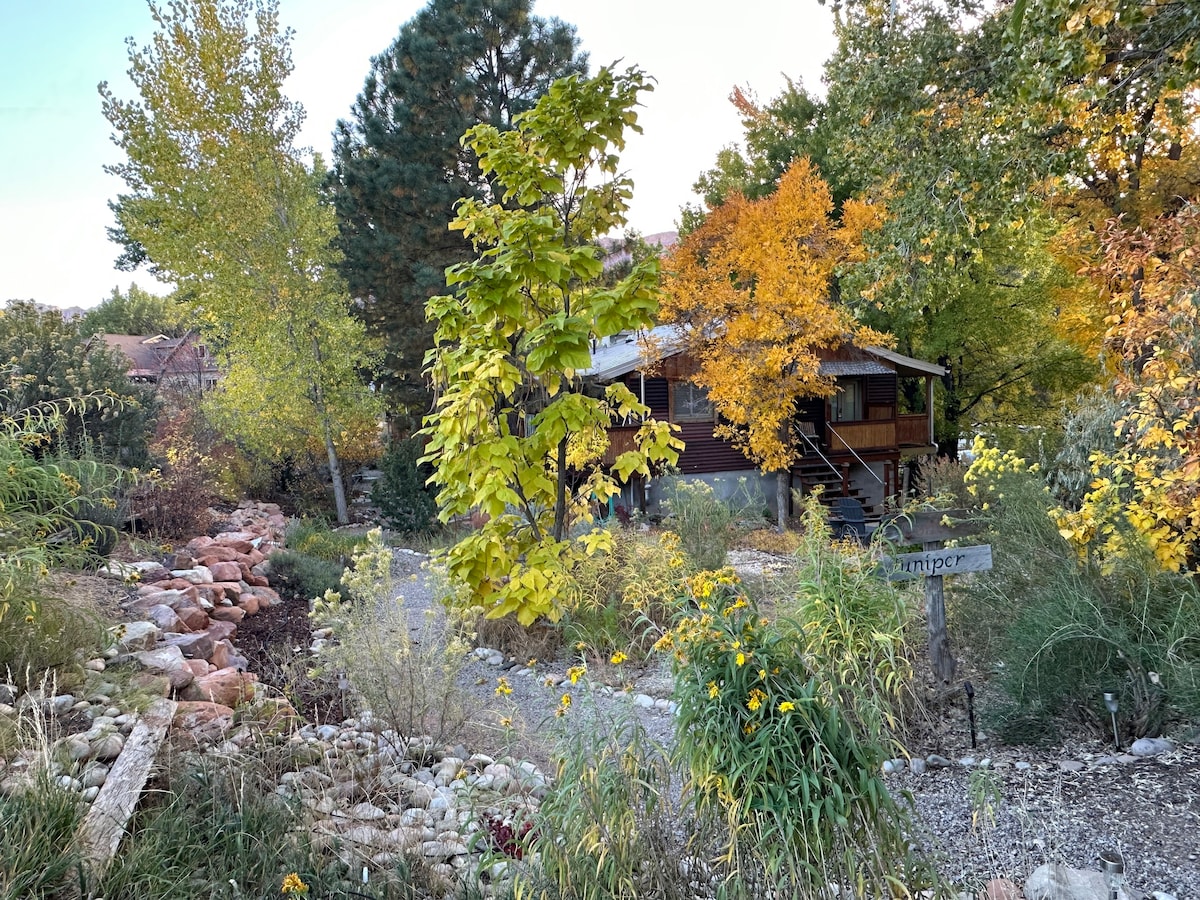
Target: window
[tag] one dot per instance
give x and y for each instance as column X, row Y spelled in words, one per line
column 690, row 403
column 847, row 404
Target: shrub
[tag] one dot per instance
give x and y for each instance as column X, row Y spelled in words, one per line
column 773, row 756
column 306, row 575
column 702, row 521
column 403, row 671
column 313, row 537
column 402, row 496
column 625, row 598
column 1072, row 624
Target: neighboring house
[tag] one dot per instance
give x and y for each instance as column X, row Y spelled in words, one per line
column 856, row 442
column 178, row 365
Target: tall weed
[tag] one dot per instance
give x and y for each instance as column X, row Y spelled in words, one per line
column 402, row 666
column 703, row 522
column 854, row 628
column 624, row 599
column 608, row 827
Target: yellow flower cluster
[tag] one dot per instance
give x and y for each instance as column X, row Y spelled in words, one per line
column 564, row 704
column 503, row 688
column 575, row 673
column 293, row 885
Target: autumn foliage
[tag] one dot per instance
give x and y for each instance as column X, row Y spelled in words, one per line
column 1153, row 478
column 751, row 290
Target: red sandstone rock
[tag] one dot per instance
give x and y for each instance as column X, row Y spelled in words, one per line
column 249, row 603
column 225, row 571
column 193, row 617
column 202, row 720
column 227, row 687
column 233, row 614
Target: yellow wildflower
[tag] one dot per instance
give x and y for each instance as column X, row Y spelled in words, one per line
column 713, row 690
column 754, row 701
column 293, row 885
column 506, row 721
column 503, row 688
column 618, row 658
column 786, row 706
column 741, row 658
column 575, row 673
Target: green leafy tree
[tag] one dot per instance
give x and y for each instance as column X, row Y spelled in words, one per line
column 44, row 359
column 400, row 167
column 517, row 433
column 135, row 311
column 225, row 209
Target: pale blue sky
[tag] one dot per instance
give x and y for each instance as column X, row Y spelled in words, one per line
column 54, row 140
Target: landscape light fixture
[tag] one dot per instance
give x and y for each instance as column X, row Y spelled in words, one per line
column 969, row 690
column 1113, row 864
column 1111, row 704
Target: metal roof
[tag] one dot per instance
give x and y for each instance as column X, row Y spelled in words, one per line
column 631, row 351
column 837, row 368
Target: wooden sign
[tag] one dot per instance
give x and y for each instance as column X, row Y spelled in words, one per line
column 954, row 561
column 924, row 526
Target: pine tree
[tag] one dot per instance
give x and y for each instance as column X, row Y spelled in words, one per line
column 400, row 168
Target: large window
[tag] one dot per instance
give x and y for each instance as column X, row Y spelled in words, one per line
column 690, row 403
column 847, row 404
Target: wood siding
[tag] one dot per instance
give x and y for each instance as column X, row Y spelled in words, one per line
column 862, row 436
column 913, row 430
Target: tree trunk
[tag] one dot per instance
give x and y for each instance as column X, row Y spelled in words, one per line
column 783, row 483
column 335, row 473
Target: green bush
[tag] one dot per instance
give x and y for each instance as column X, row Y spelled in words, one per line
column 407, row 503
column 306, row 575
column 313, row 537
column 702, row 521
column 773, row 756
column 1065, row 627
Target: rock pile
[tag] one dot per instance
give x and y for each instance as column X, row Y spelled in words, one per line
column 190, row 607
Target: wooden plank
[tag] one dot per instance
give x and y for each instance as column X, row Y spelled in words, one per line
column 941, row 660
column 954, row 561
column 925, row 526
column 104, row 826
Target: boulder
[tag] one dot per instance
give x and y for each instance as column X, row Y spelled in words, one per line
column 225, row 656
column 221, row 631
column 216, row 553
column 193, row 645
column 165, row 618
column 249, row 603
column 227, row 687
column 226, row 571
column 195, row 575
column 134, row 636
column 202, row 720
column 194, row 618
column 266, row 596
column 1054, row 881
column 233, row 614
column 1151, row 746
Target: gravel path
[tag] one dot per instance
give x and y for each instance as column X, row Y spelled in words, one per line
column 1031, row 807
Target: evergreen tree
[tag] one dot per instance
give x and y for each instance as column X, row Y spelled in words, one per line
column 400, row 167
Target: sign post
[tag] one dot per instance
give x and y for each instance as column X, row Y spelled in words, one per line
column 934, row 562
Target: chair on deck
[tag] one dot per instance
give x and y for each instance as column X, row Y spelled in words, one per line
column 849, row 520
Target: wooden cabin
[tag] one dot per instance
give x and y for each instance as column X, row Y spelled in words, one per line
column 855, row 443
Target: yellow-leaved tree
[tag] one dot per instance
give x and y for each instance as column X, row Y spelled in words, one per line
column 223, row 205
column 751, row 290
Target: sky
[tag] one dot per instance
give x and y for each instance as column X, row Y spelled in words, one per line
column 54, row 140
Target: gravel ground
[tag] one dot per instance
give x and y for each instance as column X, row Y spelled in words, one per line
column 1028, row 810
